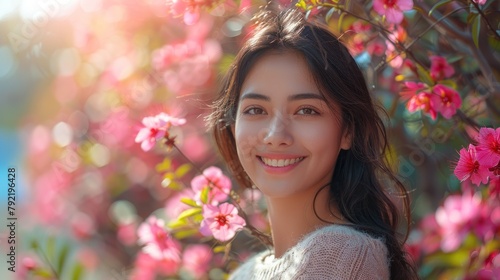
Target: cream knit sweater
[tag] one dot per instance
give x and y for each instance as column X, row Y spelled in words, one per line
column 331, row 252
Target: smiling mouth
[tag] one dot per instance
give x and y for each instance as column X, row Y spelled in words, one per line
column 280, row 162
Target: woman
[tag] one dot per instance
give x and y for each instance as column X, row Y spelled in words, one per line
column 296, row 120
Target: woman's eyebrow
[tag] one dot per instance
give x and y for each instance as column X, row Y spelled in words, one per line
column 295, row 97
column 258, row 96
column 301, row 96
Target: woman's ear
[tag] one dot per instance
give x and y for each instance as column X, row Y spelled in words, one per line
column 346, row 141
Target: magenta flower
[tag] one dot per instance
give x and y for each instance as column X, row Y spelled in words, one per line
column 392, row 9
column 411, row 89
column 196, row 259
column 217, row 183
column 457, row 216
column 156, row 128
column 479, row 2
column 488, row 149
column 221, row 221
column 448, row 102
column 440, row 69
column 158, row 242
column 468, row 167
column 423, row 101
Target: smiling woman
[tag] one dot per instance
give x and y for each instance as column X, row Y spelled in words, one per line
column 296, row 120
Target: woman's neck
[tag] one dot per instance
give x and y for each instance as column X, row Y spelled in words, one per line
column 293, row 217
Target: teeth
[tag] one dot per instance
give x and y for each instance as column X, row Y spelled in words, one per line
column 281, row 162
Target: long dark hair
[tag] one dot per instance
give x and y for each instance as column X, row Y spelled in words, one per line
column 363, row 185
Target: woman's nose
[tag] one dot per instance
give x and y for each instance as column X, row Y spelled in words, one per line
column 277, row 132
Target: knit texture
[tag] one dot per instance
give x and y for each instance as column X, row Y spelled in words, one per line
column 331, row 252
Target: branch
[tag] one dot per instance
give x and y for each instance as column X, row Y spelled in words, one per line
column 485, row 19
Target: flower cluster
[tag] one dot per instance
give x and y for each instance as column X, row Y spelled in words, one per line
column 392, row 9
column 480, row 163
column 155, row 129
column 190, row 10
column 466, row 226
column 433, row 96
column 203, row 208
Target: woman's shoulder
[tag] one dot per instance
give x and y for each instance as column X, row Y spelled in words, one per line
column 337, row 234
column 345, row 252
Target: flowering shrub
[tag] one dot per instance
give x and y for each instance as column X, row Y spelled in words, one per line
column 123, row 182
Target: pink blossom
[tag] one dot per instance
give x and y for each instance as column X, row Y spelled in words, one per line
column 488, row 148
column 126, row 233
column 468, row 167
column 29, row 263
column 189, row 9
column 217, row 183
column 392, row 9
column 440, row 69
column 82, row 225
column 457, row 217
column 158, row 242
column 431, row 234
column 448, row 102
column 423, row 101
column 155, row 128
column 196, row 259
column 411, row 89
column 147, row 267
column 221, row 221
column 479, row 2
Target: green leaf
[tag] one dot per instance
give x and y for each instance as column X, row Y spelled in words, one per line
column 185, row 233
column 61, row 259
column 328, row 15
column 439, row 4
column 165, row 165
column 182, row 170
column 494, row 42
column 44, row 273
column 177, row 224
column 51, row 247
column 219, row 249
column 476, row 27
column 189, row 201
column 424, row 75
column 450, row 83
column 204, row 195
column 189, row 213
column 339, row 23
column 78, row 271
column 34, row 245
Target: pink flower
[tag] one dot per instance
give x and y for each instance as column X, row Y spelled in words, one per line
column 468, row 167
column 221, row 221
column 448, row 102
column 488, row 149
column 423, row 101
column 158, row 242
column 196, row 259
column 411, row 89
column 479, row 2
column 147, row 268
column 440, row 68
column 457, row 217
column 392, row 9
column 127, row 233
column 217, row 183
column 155, row 128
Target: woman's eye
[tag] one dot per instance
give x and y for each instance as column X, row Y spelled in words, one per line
column 254, row 111
column 307, row 111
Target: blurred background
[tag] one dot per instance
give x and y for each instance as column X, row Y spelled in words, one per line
column 77, row 78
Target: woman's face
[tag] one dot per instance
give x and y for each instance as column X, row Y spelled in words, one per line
column 287, row 137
